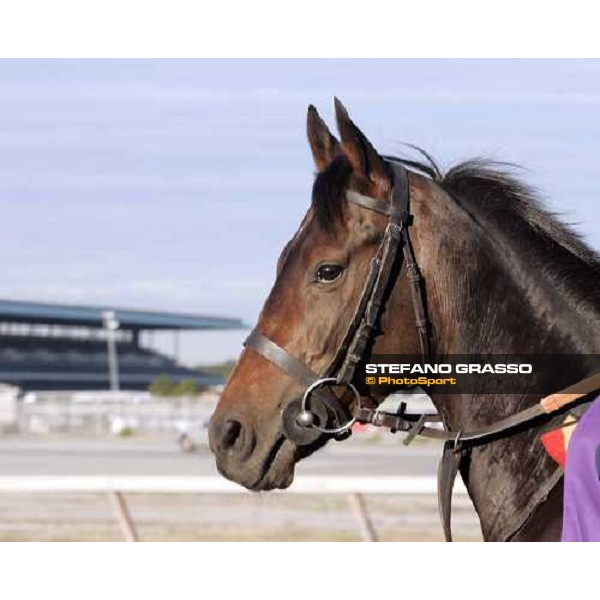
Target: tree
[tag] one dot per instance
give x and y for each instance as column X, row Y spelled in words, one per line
column 186, row 387
column 163, row 385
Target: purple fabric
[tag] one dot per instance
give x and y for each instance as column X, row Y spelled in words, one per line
column 581, row 519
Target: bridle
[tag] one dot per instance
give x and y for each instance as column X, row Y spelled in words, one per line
column 304, row 421
column 394, row 247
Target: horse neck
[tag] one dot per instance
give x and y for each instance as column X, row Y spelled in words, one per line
column 495, row 292
column 486, row 295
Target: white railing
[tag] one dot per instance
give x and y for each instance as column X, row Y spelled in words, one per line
column 155, row 416
column 116, row 486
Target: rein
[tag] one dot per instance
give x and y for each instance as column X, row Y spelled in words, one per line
column 304, row 421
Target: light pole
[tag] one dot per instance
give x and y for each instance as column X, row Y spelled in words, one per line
column 111, row 324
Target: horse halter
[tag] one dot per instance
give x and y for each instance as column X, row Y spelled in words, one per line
column 304, row 420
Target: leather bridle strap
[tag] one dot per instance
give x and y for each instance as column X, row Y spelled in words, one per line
column 380, row 206
column 398, row 211
column 364, row 331
column 395, row 238
column 396, row 208
column 416, row 424
column 336, row 364
column 418, row 297
column 280, row 357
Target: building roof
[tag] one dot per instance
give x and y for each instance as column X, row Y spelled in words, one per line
column 92, row 316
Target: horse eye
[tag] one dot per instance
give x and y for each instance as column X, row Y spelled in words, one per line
column 329, row 273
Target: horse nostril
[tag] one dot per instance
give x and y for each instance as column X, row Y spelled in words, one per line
column 232, row 438
column 230, row 434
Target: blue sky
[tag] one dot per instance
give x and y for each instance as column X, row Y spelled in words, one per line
column 173, row 184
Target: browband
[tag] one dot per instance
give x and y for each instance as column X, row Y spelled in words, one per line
column 397, row 206
column 374, row 204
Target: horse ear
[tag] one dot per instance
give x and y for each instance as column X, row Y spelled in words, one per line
column 323, row 144
column 365, row 160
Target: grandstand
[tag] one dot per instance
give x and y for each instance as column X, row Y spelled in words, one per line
column 56, row 346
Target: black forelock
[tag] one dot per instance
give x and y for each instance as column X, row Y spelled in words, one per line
column 328, row 195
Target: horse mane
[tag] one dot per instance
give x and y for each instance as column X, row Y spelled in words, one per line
column 492, row 189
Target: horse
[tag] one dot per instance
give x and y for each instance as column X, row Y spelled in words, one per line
column 500, row 275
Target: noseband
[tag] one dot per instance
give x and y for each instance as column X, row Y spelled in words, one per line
column 341, row 370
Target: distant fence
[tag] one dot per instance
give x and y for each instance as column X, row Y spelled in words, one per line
column 185, row 414
column 127, row 411
column 117, row 486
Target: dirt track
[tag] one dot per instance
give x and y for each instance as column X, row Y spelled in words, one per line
column 256, row 517
column 187, row 517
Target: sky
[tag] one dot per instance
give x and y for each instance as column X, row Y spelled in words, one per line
column 174, row 184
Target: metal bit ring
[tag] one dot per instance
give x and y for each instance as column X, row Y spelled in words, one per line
column 306, row 411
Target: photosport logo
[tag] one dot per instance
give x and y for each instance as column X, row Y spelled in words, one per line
column 422, row 381
column 475, row 374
